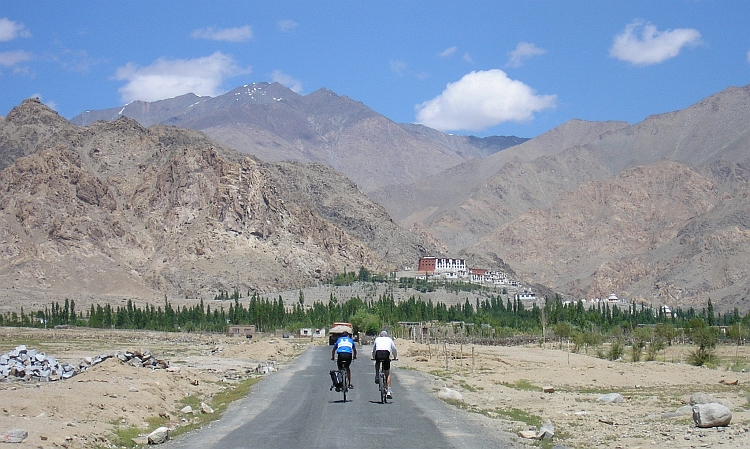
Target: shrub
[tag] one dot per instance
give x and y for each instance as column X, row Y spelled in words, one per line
column 616, row 350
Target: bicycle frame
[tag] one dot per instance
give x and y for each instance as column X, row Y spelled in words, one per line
column 345, row 377
column 383, row 385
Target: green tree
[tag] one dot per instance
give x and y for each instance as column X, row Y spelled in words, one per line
column 705, row 338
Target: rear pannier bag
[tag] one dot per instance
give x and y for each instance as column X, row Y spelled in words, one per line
column 336, row 378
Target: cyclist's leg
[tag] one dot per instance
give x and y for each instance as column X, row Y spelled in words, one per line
column 377, row 370
column 348, row 364
column 387, row 369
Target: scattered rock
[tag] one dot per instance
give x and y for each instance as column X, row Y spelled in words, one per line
column 701, row 398
column 186, row 410
column 548, row 389
column 158, row 436
column 611, row 398
column 711, row 415
column 546, row 432
column 528, row 434
column 140, row 440
column 15, row 436
column 685, row 410
column 206, row 409
column 729, row 381
column 450, row 394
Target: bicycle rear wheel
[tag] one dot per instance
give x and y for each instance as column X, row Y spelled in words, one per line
column 383, row 388
column 345, row 376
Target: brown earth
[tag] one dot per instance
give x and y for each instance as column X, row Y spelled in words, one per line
column 503, row 383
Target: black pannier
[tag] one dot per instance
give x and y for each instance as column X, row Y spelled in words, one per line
column 337, row 378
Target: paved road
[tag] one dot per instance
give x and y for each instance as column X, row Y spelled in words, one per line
column 294, row 408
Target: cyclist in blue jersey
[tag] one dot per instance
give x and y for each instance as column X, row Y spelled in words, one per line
column 346, row 350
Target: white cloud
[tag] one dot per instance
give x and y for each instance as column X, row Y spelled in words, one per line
column 238, row 34
column 481, row 100
column 651, row 46
column 748, row 56
column 398, row 67
column 448, row 52
column 10, row 30
column 523, row 51
column 286, row 25
column 468, row 59
column 285, row 80
column 13, row 58
column 167, row 78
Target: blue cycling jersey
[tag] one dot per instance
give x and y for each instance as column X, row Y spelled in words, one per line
column 344, row 345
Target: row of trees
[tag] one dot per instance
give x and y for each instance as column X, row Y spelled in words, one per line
column 502, row 315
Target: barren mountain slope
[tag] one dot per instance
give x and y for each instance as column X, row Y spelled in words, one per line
column 131, row 212
column 716, row 128
column 274, row 123
column 146, row 113
column 662, row 233
column 338, row 200
column 463, row 203
column 426, row 199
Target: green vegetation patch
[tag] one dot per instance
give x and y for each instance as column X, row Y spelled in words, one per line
column 523, row 385
column 219, row 402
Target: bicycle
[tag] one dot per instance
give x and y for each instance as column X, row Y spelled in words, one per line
column 344, row 373
column 383, row 385
column 345, row 381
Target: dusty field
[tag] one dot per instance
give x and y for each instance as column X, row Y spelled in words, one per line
column 504, row 383
column 507, row 383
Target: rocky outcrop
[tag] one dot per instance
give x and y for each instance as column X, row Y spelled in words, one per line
column 118, row 209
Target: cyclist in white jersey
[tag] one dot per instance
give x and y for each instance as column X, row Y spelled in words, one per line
column 382, row 350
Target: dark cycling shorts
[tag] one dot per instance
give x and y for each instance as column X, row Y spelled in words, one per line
column 344, row 359
column 385, row 357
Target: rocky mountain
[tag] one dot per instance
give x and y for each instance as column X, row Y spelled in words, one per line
column 274, row 123
column 118, row 210
column 656, row 211
column 464, row 202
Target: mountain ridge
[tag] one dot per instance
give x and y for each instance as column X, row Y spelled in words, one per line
column 274, row 123
column 118, row 210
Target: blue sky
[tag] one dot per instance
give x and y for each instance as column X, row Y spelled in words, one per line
column 467, row 67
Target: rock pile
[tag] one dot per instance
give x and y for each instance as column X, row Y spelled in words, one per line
column 26, row 364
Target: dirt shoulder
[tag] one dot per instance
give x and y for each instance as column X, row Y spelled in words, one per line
column 507, row 383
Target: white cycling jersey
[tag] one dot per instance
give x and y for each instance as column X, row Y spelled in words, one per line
column 384, row 344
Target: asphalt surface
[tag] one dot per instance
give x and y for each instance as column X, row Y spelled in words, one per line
column 294, row 408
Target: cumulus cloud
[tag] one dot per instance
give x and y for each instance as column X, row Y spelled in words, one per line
column 238, row 34
column 10, row 30
column 523, row 51
column 642, row 44
column 481, row 100
column 448, row 52
column 168, row 78
column 286, row 25
column 285, row 80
